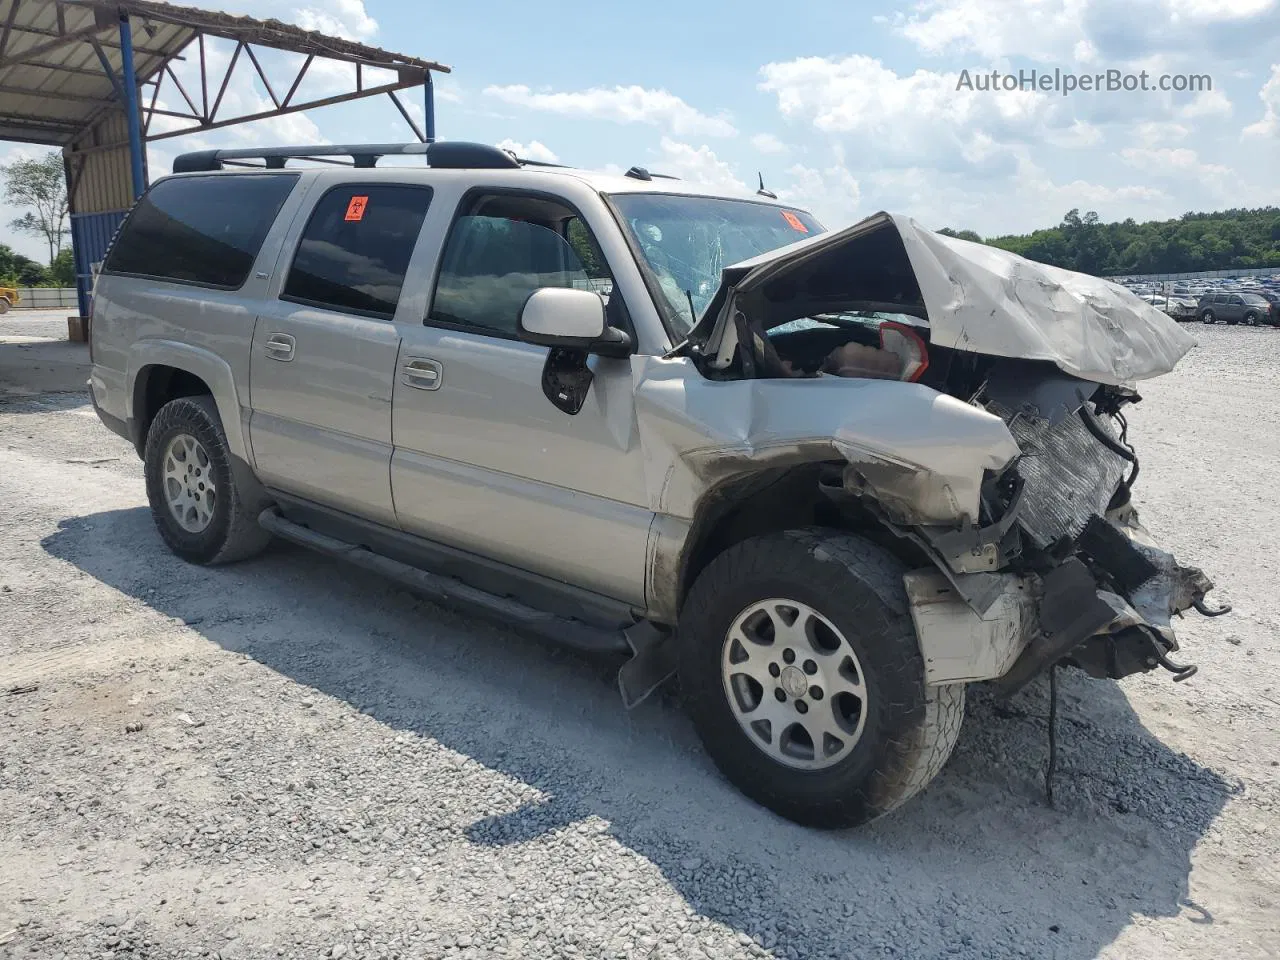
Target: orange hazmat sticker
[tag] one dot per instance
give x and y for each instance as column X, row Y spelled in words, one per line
column 795, row 222
column 355, row 209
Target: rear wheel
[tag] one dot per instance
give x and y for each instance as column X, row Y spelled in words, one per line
column 4, row 305
column 192, row 489
column 804, row 679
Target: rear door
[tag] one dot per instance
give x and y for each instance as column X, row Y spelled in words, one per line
column 324, row 349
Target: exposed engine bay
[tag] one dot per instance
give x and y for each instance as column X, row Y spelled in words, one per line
column 1048, row 536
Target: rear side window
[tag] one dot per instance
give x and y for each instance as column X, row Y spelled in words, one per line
column 201, row 230
column 355, row 249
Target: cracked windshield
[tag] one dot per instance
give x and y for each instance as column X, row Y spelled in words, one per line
column 687, row 241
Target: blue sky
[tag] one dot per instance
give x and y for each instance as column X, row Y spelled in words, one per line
column 846, row 108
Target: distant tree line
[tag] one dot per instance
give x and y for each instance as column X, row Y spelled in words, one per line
column 19, row 271
column 1227, row 240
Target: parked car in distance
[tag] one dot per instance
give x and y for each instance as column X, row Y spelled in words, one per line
column 1272, row 297
column 1236, row 307
column 9, row 297
column 1180, row 308
column 680, row 424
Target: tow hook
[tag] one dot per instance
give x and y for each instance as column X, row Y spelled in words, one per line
column 1180, row 671
column 1207, row 611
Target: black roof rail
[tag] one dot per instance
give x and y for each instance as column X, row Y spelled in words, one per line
column 643, row 173
column 443, row 154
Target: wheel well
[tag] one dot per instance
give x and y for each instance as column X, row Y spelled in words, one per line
column 155, row 386
column 770, row 502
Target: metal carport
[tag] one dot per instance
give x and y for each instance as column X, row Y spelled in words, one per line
column 86, row 76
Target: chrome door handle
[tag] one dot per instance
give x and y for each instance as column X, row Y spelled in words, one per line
column 279, row 346
column 421, row 373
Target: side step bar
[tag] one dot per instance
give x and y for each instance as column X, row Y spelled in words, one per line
column 652, row 660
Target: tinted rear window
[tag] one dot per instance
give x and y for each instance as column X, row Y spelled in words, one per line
column 201, row 230
column 356, row 247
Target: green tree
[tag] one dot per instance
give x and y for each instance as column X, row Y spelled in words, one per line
column 1195, row 241
column 41, row 186
column 961, row 234
column 62, row 272
column 17, row 270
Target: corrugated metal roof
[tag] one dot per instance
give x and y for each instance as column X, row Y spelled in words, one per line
column 52, row 83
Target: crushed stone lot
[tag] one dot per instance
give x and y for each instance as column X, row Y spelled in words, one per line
column 287, row 757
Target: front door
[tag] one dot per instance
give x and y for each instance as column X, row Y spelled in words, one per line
column 483, row 461
column 324, row 353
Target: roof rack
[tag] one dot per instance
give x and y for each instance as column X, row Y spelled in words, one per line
column 446, row 155
column 642, row 173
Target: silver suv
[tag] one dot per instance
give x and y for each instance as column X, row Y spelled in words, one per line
column 827, row 479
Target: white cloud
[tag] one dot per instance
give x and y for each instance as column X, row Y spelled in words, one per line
column 1079, row 134
column 698, row 165
column 904, row 120
column 1031, row 198
column 1171, row 161
column 633, row 104
column 1269, row 125
column 448, row 90
column 1038, row 29
column 339, row 18
column 768, row 143
column 1209, row 103
column 1219, row 9
column 534, row 151
column 1086, row 31
column 1156, row 133
column 831, row 193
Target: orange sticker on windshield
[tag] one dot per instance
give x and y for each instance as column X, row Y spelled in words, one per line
column 794, row 222
column 355, row 209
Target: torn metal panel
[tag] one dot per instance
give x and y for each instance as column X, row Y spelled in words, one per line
column 977, row 298
column 1173, row 589
column 958, row 645
column 698, row 433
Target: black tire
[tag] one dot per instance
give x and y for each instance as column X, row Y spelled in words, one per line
column 232, row 532
column 910, row 729
column 1207, row 317
column 4, row 305
column 1252, row 319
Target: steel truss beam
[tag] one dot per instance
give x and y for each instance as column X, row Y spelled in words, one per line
column 205, row 115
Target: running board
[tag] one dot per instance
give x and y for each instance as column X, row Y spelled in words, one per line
column 653, row 653
column 447, row 590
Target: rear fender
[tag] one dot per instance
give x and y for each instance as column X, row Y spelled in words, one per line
column 206, row 365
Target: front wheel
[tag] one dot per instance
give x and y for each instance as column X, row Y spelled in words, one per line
column 4, row 305
column 803, row 677
column 1252, row 319
column 1207, row 316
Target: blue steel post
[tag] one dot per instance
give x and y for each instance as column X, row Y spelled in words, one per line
column 429, row 90
column 129, row 81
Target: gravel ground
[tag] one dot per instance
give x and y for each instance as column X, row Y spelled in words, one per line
column 290, row 758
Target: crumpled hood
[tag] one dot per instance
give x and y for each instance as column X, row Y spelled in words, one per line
column 985, row 300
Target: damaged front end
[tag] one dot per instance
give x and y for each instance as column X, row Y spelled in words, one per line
column 1035, row 560
column 1107, row 593
column 1057, row 532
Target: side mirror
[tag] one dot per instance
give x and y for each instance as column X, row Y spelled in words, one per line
column 568, row 319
